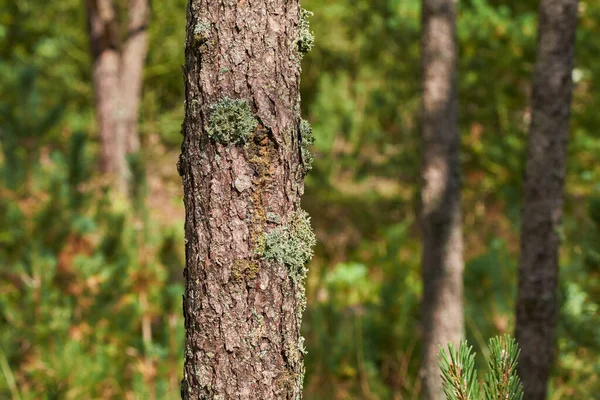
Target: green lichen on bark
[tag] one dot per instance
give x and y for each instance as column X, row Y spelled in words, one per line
column 201, row 33
column 306, row 140
column 231, row 121
column 295, row 350
column 306, row 39
column 291, row 244
column 261, row 153
column 273, row 218
column 244, row 270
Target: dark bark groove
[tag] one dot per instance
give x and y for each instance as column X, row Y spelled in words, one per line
column 537, row 303
column 242, row 310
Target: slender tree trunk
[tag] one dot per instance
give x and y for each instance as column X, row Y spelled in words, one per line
column 537, row 305
column 242, row 170
column 132, row 72
column 442, row 304
column 105, row 41
column 117, row 75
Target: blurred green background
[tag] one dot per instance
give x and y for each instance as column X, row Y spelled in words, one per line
column 82, row 269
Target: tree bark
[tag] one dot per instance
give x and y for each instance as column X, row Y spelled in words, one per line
column 537, row 305
column 104, row 37
column 117, row 76
column 242, row 172
column 442, row 263
column 133, row 56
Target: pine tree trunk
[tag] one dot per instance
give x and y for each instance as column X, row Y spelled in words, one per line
column 442, row 263
column 242, row 169
column 105, row 41
column 133, row 56
column 537, row 305
column 117, row 76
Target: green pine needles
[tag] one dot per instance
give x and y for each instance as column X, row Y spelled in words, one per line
column 458, row 372
column 501, row 381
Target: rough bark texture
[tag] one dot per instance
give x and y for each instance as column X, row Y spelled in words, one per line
column 537, row 305
column 242, row 309
column 442, row 264
column 117, row 75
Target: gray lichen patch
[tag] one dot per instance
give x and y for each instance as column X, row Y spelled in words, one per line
column 231, row 121
column 306, row 39
column 291, row 244
column 294, row 351
column 306, row 140
column 274, row 218
column 258, row 330
column 201, row 33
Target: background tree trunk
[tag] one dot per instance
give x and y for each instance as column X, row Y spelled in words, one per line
column 105, row 41
column 537, row 306
column 242, row 174
column 118, row 75
column 132, row 71
column 442, row 303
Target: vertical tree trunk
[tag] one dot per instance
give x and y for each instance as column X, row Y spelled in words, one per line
column 242, row 168
column 537, row 306
column 104, row 37
column 117, row 75
column 132, row 72
column 442, row 304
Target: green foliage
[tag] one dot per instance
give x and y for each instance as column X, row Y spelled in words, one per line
column 138, row 187
column 579, row 337
column 490, row 289
column 501, row 381
column 231, row 121
column 81, row 271
column 162, row 109
column 350, row 285
column 291, row 243
column 358, row 321
column 361, row 92
column 458, row 373
column 25, row 125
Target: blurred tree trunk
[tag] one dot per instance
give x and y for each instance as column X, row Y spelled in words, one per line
column 133, row 57
column 118, row 75
column 442, row 264
column 537, row 305
column 242, row 173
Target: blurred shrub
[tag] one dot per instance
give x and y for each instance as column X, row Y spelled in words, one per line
column 89, row 286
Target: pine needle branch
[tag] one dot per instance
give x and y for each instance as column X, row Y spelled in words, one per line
column 458, row 372
column 502, row 381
